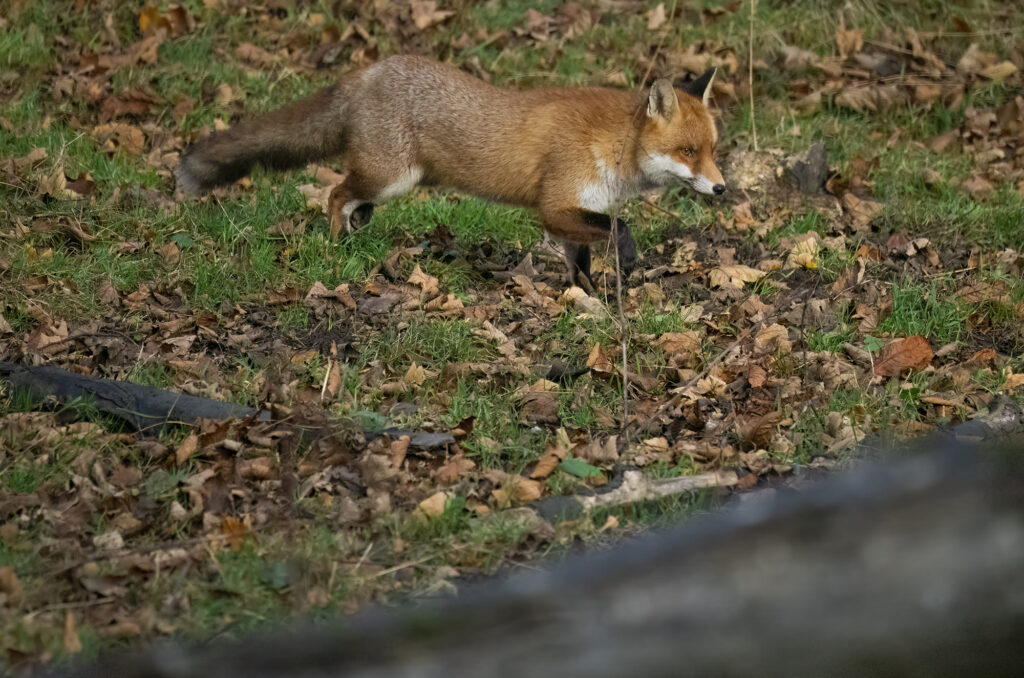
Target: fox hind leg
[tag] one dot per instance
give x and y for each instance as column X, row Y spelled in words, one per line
column 350, row 204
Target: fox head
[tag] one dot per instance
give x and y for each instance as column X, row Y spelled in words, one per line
column 678, row 138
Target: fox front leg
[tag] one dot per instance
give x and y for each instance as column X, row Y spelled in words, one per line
column 578, row 227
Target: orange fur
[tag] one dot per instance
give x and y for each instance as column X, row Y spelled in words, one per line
column 409, row 120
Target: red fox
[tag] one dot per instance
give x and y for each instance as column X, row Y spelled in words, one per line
column 570, row 153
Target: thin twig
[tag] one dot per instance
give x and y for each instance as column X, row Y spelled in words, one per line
column 750, row 73
column 623, row 325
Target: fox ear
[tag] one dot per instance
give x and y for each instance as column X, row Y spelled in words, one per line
column 662, row 101
column 701, row 87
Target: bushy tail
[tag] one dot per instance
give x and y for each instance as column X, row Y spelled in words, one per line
column 305, row 131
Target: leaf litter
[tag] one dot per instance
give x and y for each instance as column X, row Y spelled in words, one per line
column 741, row 350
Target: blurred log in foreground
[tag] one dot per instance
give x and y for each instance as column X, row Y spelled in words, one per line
column 909, row 568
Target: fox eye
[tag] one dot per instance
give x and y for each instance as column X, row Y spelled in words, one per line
column 688, row 152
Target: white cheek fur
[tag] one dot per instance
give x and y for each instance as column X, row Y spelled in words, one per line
column 662, row 169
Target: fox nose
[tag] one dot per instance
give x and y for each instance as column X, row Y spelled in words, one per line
column 719, row 189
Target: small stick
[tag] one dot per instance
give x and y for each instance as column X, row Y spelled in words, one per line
column 750, row 73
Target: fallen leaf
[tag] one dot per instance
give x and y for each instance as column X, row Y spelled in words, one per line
column 186, row 449
column 555, row 453
column 425, row 13
column 848, row 40
column 433, row 505
column 415, row 375
column 456, row 467
column 119, row 135
column 426, row 282
column 734, row 275
column 72, row 643
column 170, row 253
column 10, row 585
column 656, row 17
column 911, row 353
column 599, row 363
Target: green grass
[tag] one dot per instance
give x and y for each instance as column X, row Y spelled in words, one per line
column 924, row 310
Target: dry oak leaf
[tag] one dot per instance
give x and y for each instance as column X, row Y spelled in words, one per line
column 999, row 71
column 580, row 300
column 515, row 488
column 804, row 252
column 186, row 449
column 456, row 467
column 425, row 13
column 599, row 363
column 254, row 55
column 426, row 282
column 861, row 211
column 848, row 40
column 416, row 375
column 773, row 339
column 756, row 375
column 115, row 135
column 10, row 585
column 433, row 505
column 681, row 347
column 734, row 275
column 912, row 353
column 656, row 17
column 1013, row 381
column 549, row 462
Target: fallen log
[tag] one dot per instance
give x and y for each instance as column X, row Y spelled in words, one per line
column 912, row 567
column 148, row 409
column 143, row 408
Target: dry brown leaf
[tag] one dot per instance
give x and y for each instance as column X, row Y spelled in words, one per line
column 682, row 348
column 316, row 196
column 861, row 211
column 656, row 17
column 911, row 353
column 426, row 282
column 415, row 375
column 734, row 275
column 72, row 643
column 186, row 449
column 848, row 40
column 756, row 375
column 978, row 187
column 517, row 489
column 1000, row 71
column 426, row 14
column 1014, row 381
column 773, row 339
column 170, row 253
column 580, row 300
column 236, row 530
column 456, row 467
column 256, row 56
column 433, row 506
column 975, row 60
column 119, row 135
column 804, row 252
column 10, row 585
column 599, row 363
